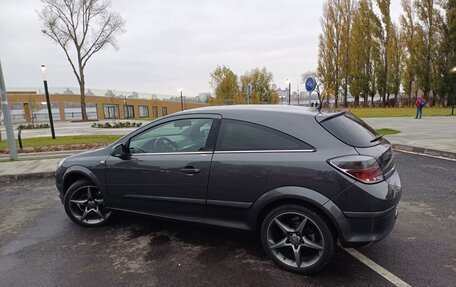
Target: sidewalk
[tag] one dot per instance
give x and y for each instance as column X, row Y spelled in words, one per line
column 430, row 135
column 437, row 133
column 23, row 169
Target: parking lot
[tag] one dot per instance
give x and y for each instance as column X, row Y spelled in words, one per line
column 40, row 246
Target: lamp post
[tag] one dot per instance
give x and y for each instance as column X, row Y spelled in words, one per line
column 48, row 102
column 453, row 71
column 182, row 99
column 289, row 91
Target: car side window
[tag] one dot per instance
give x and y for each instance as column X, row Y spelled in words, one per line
column 244, row 136
column 185, row 135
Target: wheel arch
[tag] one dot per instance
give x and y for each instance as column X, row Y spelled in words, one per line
column 291, row 195
column 76, row 172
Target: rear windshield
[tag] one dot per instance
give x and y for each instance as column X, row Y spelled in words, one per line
column 351, row 130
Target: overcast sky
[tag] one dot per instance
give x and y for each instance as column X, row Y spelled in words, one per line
column 172, row 43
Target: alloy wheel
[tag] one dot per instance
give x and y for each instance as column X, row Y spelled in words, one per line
column 86, row 205
column 295, row 239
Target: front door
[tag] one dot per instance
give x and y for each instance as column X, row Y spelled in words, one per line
column 166, row 170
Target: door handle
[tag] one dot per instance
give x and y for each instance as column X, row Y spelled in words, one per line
column 190, row 170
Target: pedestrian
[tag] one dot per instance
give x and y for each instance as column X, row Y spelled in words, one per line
column 420, row 103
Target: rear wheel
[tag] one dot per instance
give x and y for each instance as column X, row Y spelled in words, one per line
column 85, row 205
column 297, row 239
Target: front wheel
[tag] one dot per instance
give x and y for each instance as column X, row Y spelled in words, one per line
column 85, row 205
column 297, row 239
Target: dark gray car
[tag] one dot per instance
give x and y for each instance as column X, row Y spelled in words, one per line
column 300, row 178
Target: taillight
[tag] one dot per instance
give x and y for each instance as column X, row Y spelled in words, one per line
column 363, row 168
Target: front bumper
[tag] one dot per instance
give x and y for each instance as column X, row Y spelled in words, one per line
column 59, row 181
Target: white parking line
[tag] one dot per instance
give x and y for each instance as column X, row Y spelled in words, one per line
column 377, row 268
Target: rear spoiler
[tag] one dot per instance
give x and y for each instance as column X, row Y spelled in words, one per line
column 324, row 117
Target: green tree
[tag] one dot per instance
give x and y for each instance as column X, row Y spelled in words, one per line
column 261, row 81
column 450, row 11
column 348, row 7
column 427, row 24
column 443, row 81
column 396, row 55
column 225, row 85
column 362, row 55
column 384, row 40
column 409, row 40
column 330, row 42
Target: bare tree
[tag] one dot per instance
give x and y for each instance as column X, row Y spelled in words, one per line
column 34, row 107
column 81, row 28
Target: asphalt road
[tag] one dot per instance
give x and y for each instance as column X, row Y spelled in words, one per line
column 39, row 246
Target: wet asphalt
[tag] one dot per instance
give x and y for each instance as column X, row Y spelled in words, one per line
column 40, row 246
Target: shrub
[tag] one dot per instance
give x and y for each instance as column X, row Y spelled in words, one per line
column 108, row 125
column 33, row 126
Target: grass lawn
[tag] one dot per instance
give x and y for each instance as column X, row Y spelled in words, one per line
column 387, row 131
column 64, row 140
column 398, row 112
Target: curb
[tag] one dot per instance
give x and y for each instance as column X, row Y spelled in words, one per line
column 426, row 151
column 42, row 155
column 18, row 177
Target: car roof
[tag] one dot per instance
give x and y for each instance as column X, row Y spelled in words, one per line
column 235, row 110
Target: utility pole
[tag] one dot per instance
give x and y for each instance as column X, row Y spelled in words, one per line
column 48, row 102
column 289, row 91
column 182, row 99
column 7, row 117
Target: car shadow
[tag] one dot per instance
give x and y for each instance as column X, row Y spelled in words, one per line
column 210, row 252
column 162, row 230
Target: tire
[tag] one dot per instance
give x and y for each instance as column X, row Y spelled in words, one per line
column 297, row 239
column 84, row 204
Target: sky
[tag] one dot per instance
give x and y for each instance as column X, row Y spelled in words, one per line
column 172, row 44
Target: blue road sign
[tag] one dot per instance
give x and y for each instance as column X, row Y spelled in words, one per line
column 310, row 84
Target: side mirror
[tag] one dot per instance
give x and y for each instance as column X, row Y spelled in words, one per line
column 118, row 150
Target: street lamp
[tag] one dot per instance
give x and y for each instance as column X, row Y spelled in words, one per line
column 46, row 91
column 182, row 99
column 453, row 71
column 289, row 91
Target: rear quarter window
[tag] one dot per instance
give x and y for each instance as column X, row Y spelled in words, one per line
column 245, row 136
column 351, row 130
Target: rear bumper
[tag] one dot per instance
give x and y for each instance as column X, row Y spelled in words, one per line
column 364, row 214
column 362, row 229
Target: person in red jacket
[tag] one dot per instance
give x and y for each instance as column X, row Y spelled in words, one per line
column 420, row 103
